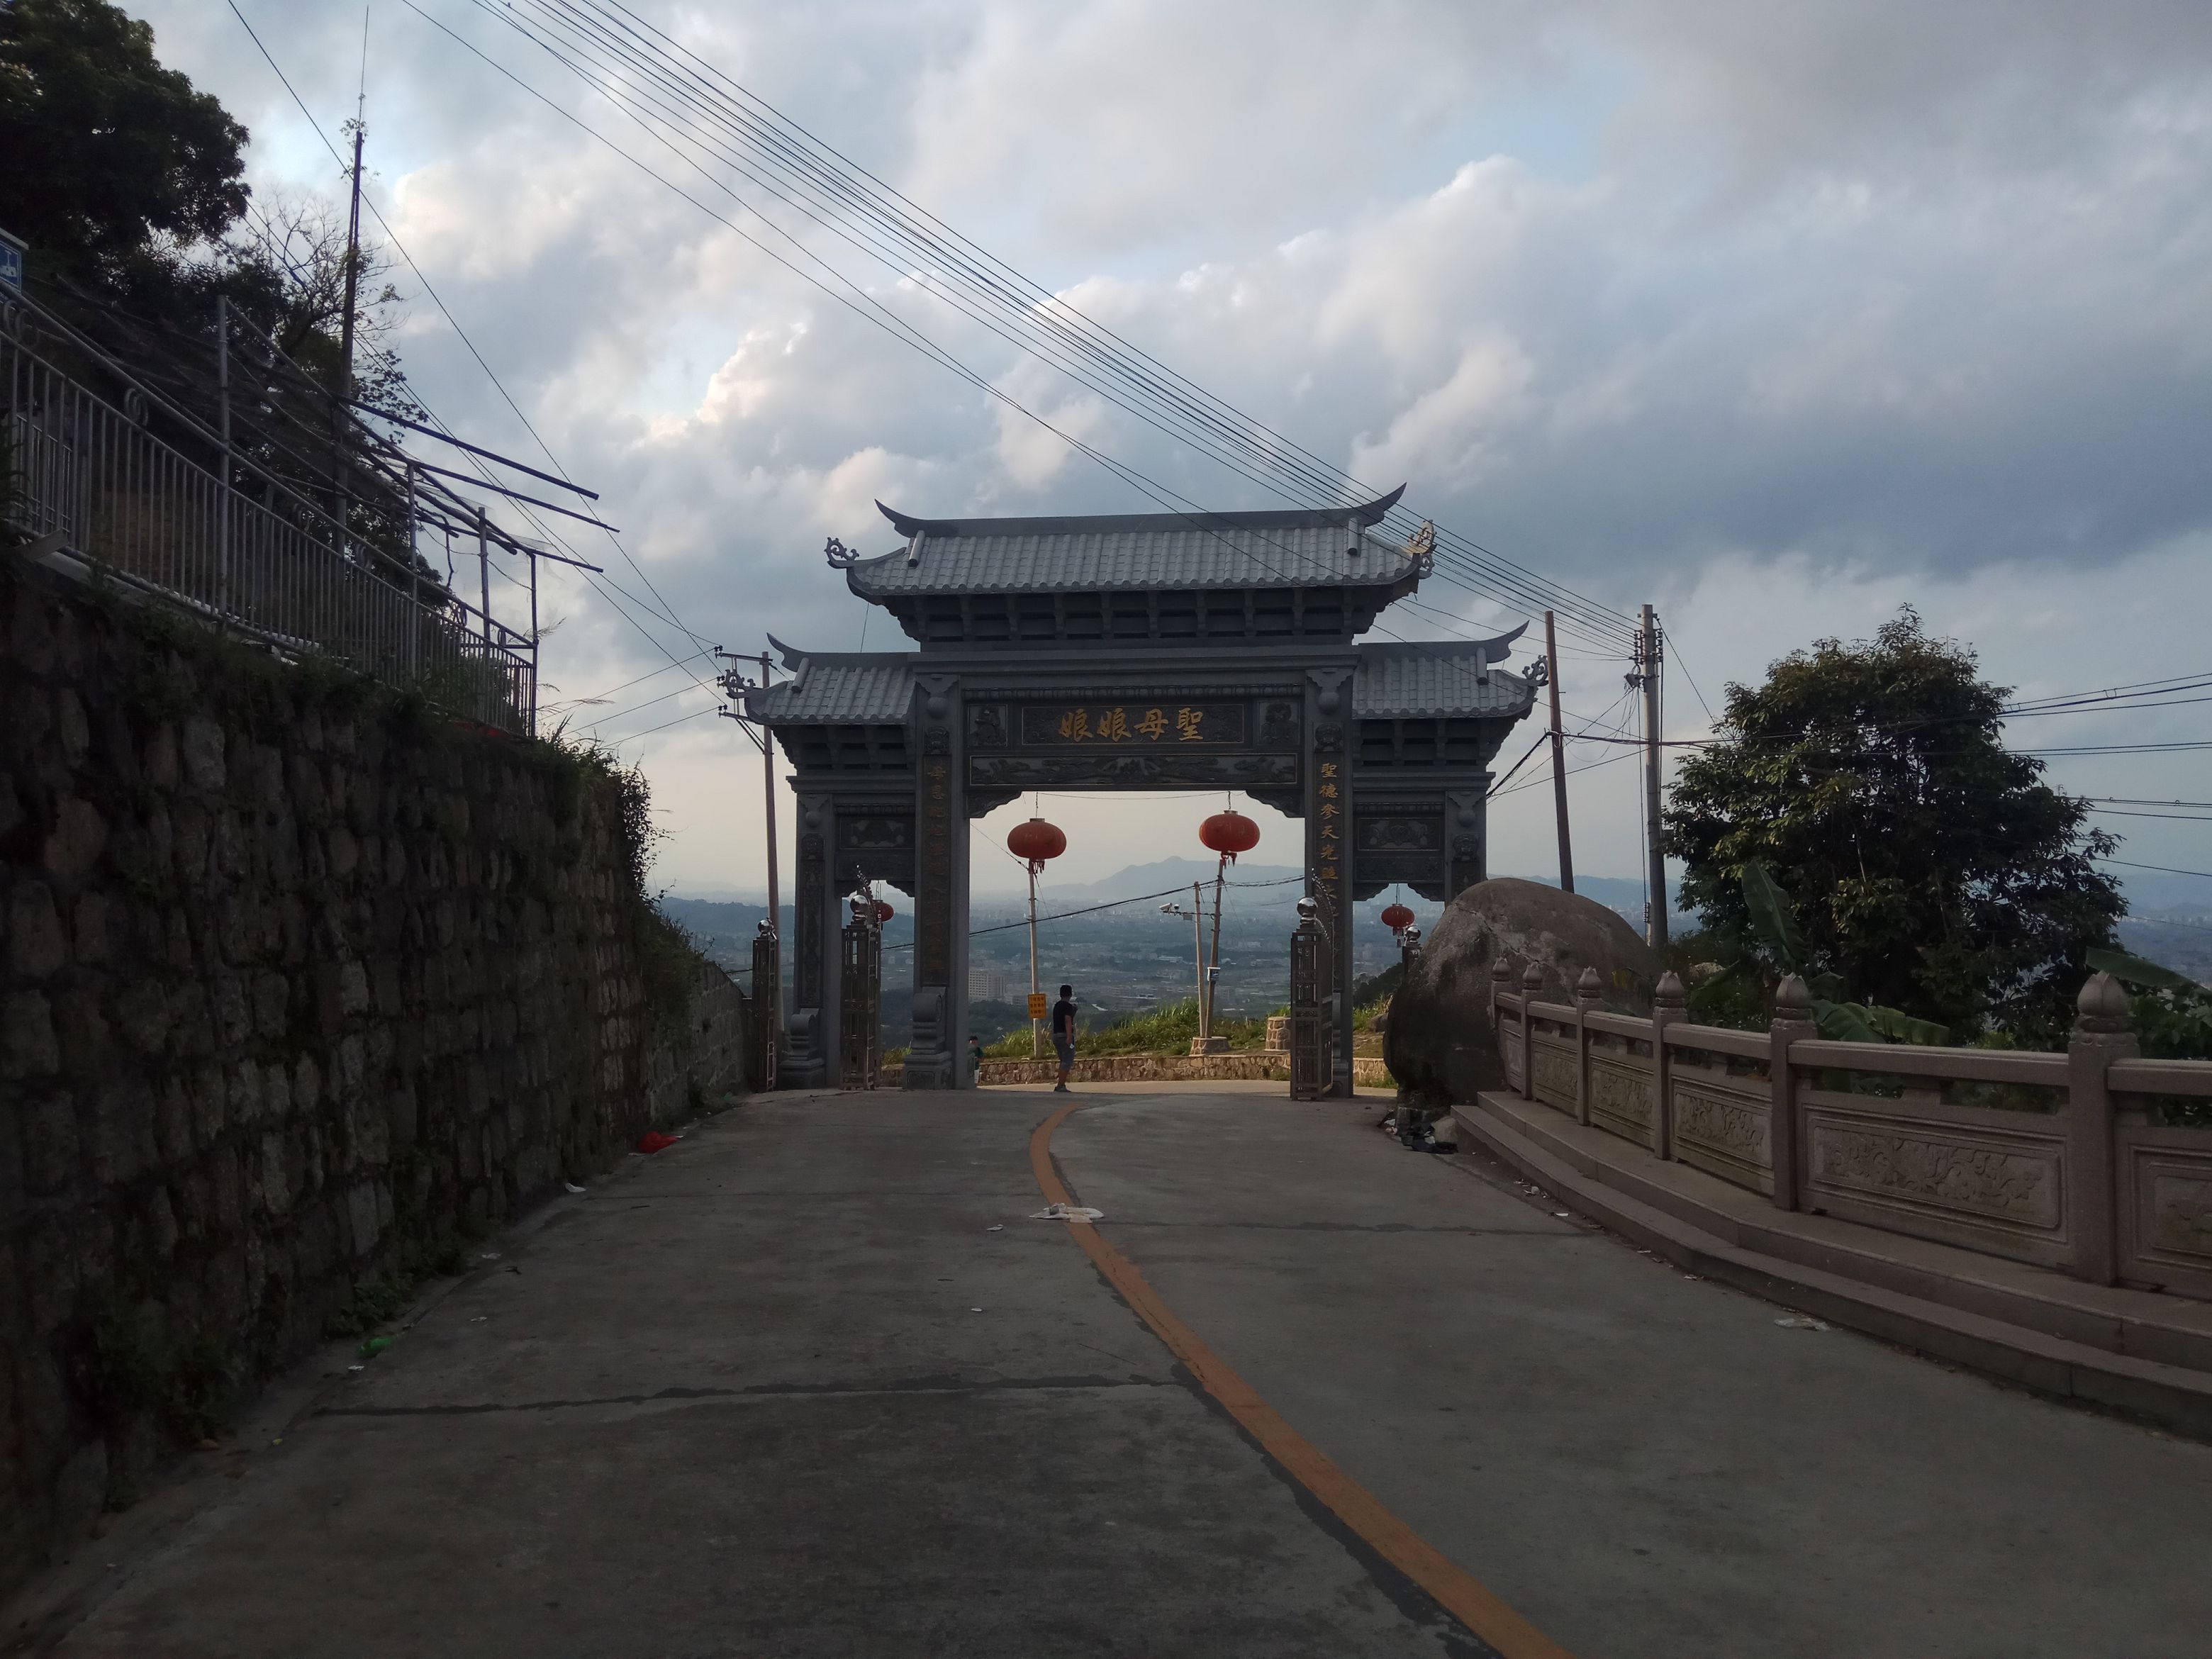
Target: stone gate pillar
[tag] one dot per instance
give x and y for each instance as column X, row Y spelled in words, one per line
column 936, row 1056
column 1328, row 849
column 811, row 1052
column 1466, row 851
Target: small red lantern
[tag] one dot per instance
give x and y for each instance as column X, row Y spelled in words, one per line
column 884, row 911
column 1228, row 834
column 1397, row 918
column 1035, row 841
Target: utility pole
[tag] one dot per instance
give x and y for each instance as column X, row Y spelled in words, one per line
column 1559, row 757
column 229, row 604
column 1213, row 965
column 341, row 411
column 767, row 794
column 1198, row 950
column 768, row 945
column 483, row 606
column 353, row 265
column 1647, row 647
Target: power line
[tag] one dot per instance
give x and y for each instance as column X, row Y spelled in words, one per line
column 589, row 38
column 1110, row 904
column 899, row 328
column 2166, row 869
column 462, row 334
column 1036, row 308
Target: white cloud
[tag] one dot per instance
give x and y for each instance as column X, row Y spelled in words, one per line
column 1786, row 312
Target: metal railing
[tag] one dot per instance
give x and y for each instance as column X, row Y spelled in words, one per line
column 146, row 494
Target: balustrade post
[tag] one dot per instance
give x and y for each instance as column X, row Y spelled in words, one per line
column 1668, row 1006
column 1793, row 1023
column 1532, row 980
column 2102, row 1034
column 1500, row 975
column 1587, row 991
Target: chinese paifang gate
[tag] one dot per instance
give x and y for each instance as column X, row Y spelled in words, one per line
column 1156, row 651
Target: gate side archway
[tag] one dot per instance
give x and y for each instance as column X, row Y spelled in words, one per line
column 1138, row 652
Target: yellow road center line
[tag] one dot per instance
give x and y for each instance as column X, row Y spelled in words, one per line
column 1465, row 1597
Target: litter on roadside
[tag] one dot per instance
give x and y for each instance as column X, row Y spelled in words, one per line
column 655, row 1142
column 1801, row 1322
column 1066, row 1213
column 489, row 1255
column 996, row 1227
column 1562, row 1214
column 572, row 1185
column 375, row 1346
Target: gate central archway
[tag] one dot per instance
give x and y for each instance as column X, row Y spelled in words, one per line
column 1139, row 652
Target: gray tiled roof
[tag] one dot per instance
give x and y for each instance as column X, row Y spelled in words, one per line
column 838, row 690
column 1141, row 551
column 1412, row 680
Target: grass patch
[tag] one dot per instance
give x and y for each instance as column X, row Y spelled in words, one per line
column 1168, row 1030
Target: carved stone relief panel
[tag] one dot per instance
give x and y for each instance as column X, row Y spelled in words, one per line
column 1399, row 834
column 1723, row 1132
column 870, row 833
column 1556, row 1075
column 2181, row 1213
column 988, row 727
column 1926, row 1167
column 1621, row 1099
column 2166, row 1190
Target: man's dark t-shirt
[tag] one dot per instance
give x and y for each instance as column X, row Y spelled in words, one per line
column 1063, row 1019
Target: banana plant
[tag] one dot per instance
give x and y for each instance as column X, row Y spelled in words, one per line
column 2144, row 975
column 1774, row 919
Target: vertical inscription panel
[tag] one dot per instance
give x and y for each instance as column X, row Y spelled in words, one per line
column 932, row 916
column 1325, row 833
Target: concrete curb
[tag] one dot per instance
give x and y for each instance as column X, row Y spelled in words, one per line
column 2169, row 1395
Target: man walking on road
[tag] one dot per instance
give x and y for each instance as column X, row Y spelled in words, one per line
column 1063, row 1036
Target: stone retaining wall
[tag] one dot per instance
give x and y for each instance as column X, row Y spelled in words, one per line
column 300, row 985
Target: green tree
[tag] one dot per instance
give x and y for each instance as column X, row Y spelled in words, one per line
column 1931, row 870
column 114, row 163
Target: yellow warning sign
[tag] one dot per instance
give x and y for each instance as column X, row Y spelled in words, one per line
column 1037, row 1005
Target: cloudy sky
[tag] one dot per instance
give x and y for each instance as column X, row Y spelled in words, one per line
column 1777, row 315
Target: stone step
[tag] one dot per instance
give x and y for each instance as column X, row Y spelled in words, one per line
column 1934, row 1299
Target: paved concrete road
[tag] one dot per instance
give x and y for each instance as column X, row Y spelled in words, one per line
column 782, row 1391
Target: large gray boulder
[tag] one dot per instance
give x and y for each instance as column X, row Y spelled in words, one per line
column 1439, row 1042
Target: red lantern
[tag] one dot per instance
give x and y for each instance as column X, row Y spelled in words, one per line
column 1397, row 918
column 884, row 911
column 1035, row 841
column 1228, row 834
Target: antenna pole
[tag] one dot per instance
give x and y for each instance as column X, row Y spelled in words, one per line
column 339, row 465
